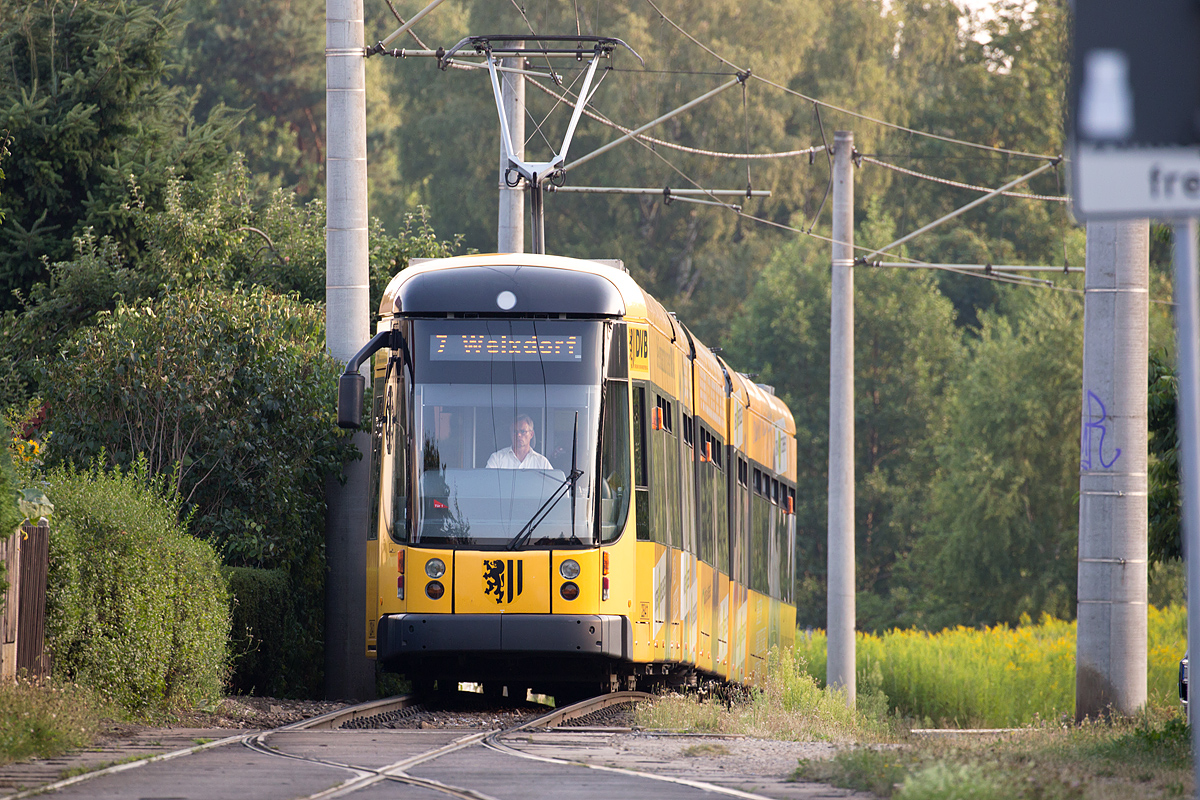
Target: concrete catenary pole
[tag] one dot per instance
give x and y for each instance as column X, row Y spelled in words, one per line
column 510, row 234
column 1187, row 338
column 1110, row 662
column 839, row 667
column 349, row 675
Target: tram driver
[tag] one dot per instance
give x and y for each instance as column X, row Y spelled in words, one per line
column 521, row 455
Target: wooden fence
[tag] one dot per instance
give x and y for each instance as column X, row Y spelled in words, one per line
column 26, row 554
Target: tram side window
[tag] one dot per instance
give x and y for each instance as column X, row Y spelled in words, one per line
column 640, row 471
column 615, row 484
column 775, row 542
column 376, row 459
column 760, row 512
column 721, row 515
column 664, row 476
column 790, row 581
column 664, row 420
column 639, row 436
column 396, row 452
column 687, row 486
column 706, row 507
column 739, row 536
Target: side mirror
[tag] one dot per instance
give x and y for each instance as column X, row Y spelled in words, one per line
column 350, row 399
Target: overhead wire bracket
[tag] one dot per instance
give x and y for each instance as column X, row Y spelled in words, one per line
column 494, row 46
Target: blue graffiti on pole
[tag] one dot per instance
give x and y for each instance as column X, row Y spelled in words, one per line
column 1094, row 425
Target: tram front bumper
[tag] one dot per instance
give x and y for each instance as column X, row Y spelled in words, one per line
column 406, row 635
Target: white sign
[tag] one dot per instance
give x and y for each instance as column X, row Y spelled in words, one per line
column 1155, row 182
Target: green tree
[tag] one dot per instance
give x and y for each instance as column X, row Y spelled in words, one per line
column 1002, row 530
column 1001, row 83
column 84, row 101
column 1166, row 540
column 216, row 230
column 267, row 59
column 231, row 394
column 907, row 350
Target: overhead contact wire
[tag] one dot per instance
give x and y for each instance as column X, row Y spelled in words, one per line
column 603, row 120
column 957, row 184
column 885, row 123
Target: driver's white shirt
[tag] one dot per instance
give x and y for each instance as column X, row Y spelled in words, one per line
column 507, row 459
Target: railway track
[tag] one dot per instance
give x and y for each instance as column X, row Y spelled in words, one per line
column 470, row 748
column 464, row 711
column 372, row 715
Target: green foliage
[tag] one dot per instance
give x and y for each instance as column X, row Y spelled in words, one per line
column 46, row 719
column 1166, row 540
column 1167, row 740
column 940, row 781
column 232, row 395
column 234, row 388
column 862, row 769
column 993, row 677
column 219, row 231
column 907, row 353
column 94, row 280
column 787, row 704
column 263, row 622
column 10, row 514
column 84, row 100
column 215, row 230
column 268, row 60
column 136, row 608
column 1002, row 527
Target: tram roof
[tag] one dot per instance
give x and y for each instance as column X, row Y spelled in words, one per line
column 539, row 284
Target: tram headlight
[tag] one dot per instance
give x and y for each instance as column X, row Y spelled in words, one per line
column 569, row 569
column 434, row 590
column 569, row 590
column 435, row 568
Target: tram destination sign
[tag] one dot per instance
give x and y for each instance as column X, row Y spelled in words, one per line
column 509, row 347
column 1135, row 109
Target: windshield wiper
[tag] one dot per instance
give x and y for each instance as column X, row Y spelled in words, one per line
column 568, row 483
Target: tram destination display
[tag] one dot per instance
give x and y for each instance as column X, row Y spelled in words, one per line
column 530, row 347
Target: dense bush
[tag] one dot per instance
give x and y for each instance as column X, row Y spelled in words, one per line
column 233, row 387
column 262, row 625
column 136, row 608
column 231, row 393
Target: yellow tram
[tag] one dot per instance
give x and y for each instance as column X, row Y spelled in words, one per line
column 569, row 491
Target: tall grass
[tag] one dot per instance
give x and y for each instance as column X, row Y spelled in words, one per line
column 45, row 718
column 994, row 677
column 787, row 704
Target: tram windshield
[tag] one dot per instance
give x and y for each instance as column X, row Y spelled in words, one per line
column 506, row 418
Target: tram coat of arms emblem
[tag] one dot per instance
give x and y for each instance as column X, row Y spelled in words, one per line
column 503, row 578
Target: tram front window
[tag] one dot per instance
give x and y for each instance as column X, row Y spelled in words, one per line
column 505, row 413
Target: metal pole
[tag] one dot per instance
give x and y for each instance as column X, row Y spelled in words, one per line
column 839, row 669
column 510, row 234
column 1110, row 662
column 537, row 213
column 348, row 673
column 1187, row 334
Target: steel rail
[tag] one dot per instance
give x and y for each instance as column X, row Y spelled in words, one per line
column 492, row 742
column 364, row 777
